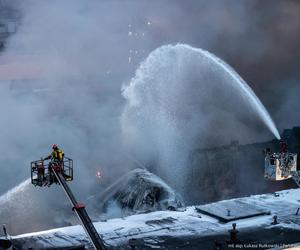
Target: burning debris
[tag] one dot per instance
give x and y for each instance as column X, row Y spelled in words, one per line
column 98, row 174
column 136, row 192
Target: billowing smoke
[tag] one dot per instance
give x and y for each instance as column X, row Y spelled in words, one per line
column 71, row 100
column 62, row 72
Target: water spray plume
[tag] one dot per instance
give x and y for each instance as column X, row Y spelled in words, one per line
column 238, row 83
column 19, row 188
column 246, row 90
column 178, row 100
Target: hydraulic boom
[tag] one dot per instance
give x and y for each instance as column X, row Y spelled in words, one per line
column 61, row 173
column 79, row 209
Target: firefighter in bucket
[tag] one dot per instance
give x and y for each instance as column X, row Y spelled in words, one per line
column 56, row 159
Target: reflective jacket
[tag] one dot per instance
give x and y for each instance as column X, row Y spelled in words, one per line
column 56, row 155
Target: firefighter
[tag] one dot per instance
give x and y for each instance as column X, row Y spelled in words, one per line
column 284, row 159
column 56, row 157
column 283, row 146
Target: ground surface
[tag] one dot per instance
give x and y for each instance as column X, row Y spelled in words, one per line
column 187, row 229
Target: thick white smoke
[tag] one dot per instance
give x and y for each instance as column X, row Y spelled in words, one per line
column 182, row 103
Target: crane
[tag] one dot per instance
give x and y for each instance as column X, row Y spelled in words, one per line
column 60, row 173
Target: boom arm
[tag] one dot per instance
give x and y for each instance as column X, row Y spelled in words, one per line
column 81, row 213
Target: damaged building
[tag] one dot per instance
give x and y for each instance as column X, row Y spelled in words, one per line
column 236, row 170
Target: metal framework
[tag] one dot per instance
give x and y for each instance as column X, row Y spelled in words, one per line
column 281, row 166
column 60, row 172
column 42, row 175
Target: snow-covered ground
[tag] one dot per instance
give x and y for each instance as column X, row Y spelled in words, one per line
column 152, row 230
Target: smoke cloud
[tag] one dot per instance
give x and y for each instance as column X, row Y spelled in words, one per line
column 62, row 73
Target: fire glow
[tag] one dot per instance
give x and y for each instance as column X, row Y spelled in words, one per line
column 98, row 175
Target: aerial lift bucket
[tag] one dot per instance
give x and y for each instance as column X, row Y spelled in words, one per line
column 280, row 166
column 42, row 174
column 60, row 173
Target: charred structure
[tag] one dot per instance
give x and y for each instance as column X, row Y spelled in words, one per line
column 230, row 170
